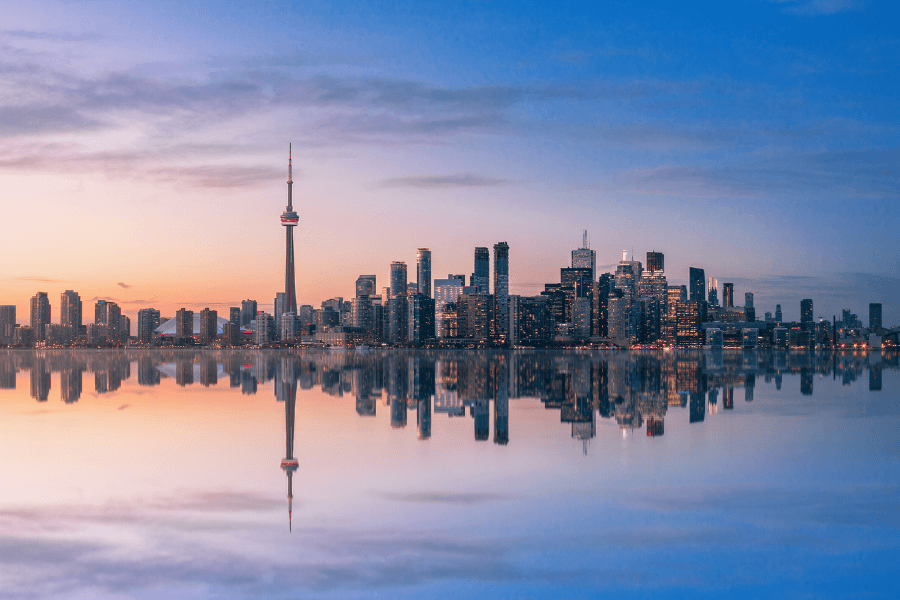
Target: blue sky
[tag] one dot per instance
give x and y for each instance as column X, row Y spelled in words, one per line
column 755, row 139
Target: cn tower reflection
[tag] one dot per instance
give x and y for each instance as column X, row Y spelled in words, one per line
column 287, row 393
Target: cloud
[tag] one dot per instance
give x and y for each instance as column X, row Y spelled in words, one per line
column 46, row 36
column 818, row 7
column 123, row 285
column 37, row 279
column 445, row 498
column 442, row 182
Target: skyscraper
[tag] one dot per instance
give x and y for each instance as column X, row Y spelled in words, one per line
column 655, row 261
column 208, row 325
column 713, row 289
column 778, row 318
column 398, row 279
column 277, row 311
column 481, row 276
column 70, row 311
column 501, row 290
column 423, row 271
column 728, row 295
column 289, row 220
column 697, row 283
column 875, row 315
column 584, row 257
column 806, row 312
column 749, row 310
column 40, row 315
column 184, row 324
column 248, row 312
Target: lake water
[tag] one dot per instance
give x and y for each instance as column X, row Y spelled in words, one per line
column 415, row 474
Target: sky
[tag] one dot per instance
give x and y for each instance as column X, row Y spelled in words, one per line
column 143, row 149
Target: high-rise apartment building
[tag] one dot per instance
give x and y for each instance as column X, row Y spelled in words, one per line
column 585, row 258
column 697, row 283
column 875, row 315
column 421, row 318
column 7, row 323
column 70, row 311
column 40, row 315
column 365, row 285
column 423, row 271
column 148, row 321
column 445, row 291
column 501, row 291
column 398, row 279
column 208, row 325
column 184, row 324
column 728, row 295
column 655, row 261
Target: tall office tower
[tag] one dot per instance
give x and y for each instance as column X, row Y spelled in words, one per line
column 655, row 261
column 697, row 285
column 875, row 315
column 689, row 324
column 7, row 323
column 778, row 313
column 806, row 312
column 70, row 311
column 713, row 290
column 601, row 305
column 584, row 257
column 184, row 324
column 728, row 295
column 654, row 292
column 749, row 311
column 396, row 319
column 278, row 310
column 423, row 271
column 481, row 276
column 365, row 285
column 148, row 321
column 208, row 325
column 398, row 279
column 676, row 295
column 248, row 312
column 578, row 278
column 621, row 320
column 445, row 291
column 421, row 318
column 501, row 291
column 289, row 220
column 361, row 312
column 40, row 315
column 628, row 274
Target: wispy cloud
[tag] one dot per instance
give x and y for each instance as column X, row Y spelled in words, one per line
column 445, row 498
column 38, row 279
column 819, row 7
column 442, row 182
column 49, row 36
column 123, row 285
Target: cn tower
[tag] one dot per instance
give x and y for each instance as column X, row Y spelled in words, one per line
column 289, row 220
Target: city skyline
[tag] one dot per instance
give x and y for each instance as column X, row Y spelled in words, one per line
column 147, row 173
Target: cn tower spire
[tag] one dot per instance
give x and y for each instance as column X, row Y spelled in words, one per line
column 289, row 220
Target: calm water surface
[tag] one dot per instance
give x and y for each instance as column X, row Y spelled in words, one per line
column 412, row 474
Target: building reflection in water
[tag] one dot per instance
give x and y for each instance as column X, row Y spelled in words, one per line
column 632, row 389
